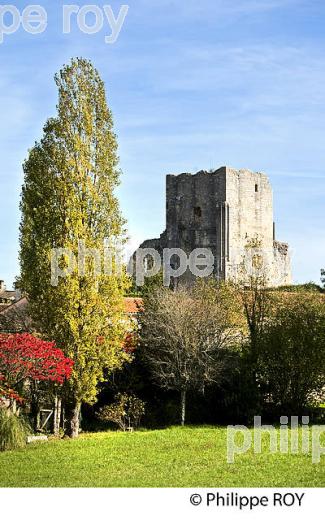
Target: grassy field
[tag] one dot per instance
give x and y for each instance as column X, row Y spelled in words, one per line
column 175, row 457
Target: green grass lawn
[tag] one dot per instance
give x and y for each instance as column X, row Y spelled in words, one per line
column 175, row 457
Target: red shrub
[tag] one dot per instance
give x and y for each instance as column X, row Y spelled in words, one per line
column 23, row 356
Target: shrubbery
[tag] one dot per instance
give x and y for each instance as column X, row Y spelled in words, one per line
column 126, row 411
column 13, row 431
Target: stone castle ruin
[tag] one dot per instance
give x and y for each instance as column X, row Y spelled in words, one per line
column 222, row 211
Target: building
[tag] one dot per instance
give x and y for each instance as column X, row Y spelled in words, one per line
column 6, row 297
column 223, row 211
column 15, row 318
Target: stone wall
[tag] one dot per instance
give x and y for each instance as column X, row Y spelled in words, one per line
column 222, row 210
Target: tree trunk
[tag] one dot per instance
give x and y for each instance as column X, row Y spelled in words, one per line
column 183, row 406
column 57, row 415
column 73, row 420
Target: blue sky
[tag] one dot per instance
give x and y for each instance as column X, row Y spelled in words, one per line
column 192, row 85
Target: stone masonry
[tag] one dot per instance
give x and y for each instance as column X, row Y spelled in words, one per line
column 222, row 211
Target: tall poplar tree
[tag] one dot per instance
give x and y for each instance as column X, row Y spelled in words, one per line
column 68, row 199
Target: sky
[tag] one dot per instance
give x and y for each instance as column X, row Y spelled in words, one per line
column 192, row 85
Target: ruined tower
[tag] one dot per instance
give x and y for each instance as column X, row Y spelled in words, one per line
column 221, row 211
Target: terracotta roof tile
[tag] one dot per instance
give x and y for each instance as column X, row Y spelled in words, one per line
column 8, row 295
column 133, row 305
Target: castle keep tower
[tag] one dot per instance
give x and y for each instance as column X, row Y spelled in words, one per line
column 222, row 211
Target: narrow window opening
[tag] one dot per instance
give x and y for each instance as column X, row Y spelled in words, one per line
column 198, row 212
column 256, row 188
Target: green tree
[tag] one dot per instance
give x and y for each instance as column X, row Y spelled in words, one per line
column 68, row 204
column 252, row 281
column 291, row 351
column 150, row 284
